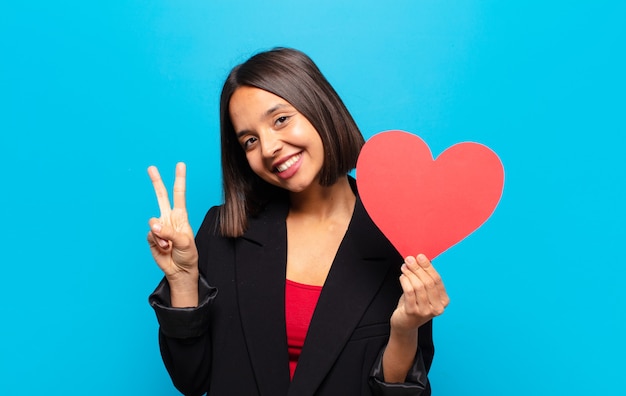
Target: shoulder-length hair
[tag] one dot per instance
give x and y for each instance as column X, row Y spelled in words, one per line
column 293, row 76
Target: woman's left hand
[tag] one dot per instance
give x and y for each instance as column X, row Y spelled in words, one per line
column 424, row 295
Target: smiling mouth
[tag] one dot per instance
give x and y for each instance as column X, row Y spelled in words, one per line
column 288, row 164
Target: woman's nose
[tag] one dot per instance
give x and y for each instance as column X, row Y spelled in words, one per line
column 270, row 144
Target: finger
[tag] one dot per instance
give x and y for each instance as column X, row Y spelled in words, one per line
column 432, row 287
column 175, row 239
column 156, row 236
column 415, row 289
column 179, row 186
column 160, row 190
column 407, row 288
column 408, row 295
column 424, row 263
column 427, row 266
column 156, row 243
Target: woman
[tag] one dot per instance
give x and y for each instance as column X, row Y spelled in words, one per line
column 288, row 288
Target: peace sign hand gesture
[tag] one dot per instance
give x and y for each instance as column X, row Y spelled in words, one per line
column 172, row 242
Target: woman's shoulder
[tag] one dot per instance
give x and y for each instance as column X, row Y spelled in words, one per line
column 210, row 223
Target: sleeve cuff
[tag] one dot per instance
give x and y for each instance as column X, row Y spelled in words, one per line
column 182, row 322
column 416, row 380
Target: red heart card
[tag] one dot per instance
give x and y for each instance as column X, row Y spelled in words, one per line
column 424, row 205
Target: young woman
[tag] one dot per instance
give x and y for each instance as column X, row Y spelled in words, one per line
column 288, row 287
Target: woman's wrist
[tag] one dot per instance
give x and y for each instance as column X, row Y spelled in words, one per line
column 184, row 289
column 399, row 354
column 407, row 337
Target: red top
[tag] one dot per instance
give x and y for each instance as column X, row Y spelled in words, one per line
column 300, row 302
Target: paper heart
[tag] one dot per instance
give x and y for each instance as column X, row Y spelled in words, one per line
column 424, row 205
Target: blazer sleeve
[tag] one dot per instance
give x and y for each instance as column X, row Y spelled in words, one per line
column 182, row 323
column 184, row 335
column 416, row 383
column 184, row 338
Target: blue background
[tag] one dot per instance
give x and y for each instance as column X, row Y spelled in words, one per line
column 91, row 93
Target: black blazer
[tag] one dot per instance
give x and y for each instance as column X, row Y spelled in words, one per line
column 234, row 342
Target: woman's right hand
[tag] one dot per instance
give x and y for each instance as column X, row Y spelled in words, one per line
column 172, row 242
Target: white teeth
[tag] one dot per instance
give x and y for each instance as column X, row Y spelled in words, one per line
column 287, row 164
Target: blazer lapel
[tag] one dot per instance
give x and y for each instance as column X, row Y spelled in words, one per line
column 354, row 279
column 260, row 270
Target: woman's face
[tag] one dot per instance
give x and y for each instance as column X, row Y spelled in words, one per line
column 281, row 145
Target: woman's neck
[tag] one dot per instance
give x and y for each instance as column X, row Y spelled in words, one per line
column 324, row 202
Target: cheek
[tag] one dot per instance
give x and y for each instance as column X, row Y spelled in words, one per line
column 251, row 159
column 256, row 164
column 319, row 145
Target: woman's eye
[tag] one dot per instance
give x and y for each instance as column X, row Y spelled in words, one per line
column 248, row 142
column 281, row 120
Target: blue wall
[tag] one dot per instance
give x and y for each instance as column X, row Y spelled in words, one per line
column 91, row 93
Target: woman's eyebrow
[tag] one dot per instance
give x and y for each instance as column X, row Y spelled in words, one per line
column 267, row 113
column 274, row 108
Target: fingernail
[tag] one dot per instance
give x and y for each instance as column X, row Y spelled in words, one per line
column 421, row 258
column 163, row 243
column 156, row 227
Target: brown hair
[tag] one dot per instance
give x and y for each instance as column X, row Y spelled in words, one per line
column 293, row 76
